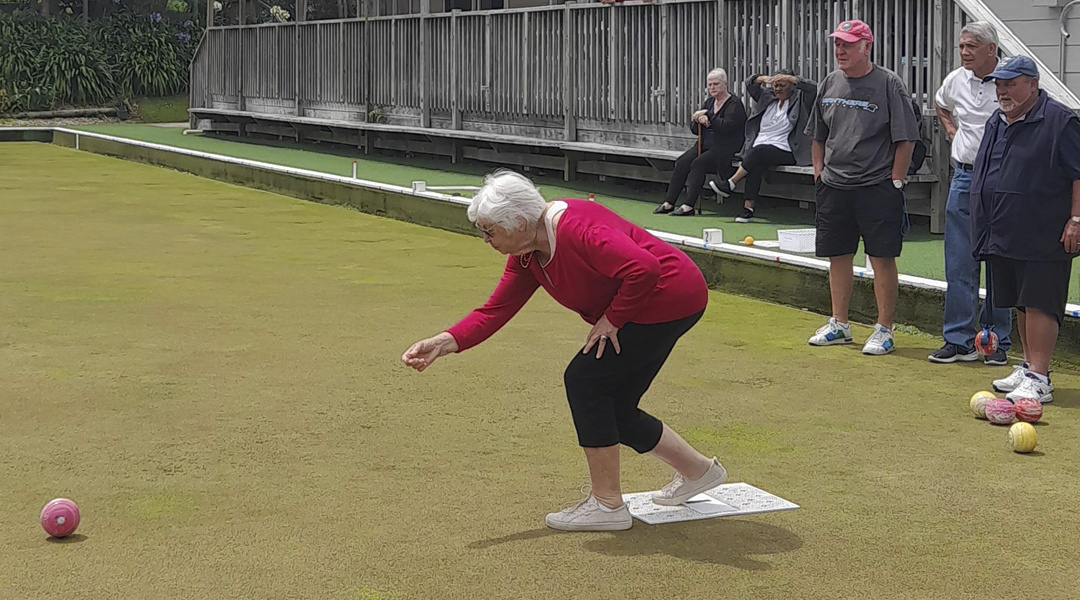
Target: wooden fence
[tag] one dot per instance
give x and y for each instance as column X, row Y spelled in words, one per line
column 625, row 75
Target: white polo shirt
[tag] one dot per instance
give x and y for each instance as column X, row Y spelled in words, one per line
column 971, row 103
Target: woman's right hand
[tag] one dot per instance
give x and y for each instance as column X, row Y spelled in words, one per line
column 421, row 354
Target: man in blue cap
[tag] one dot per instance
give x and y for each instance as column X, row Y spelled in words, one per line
column 1025, row 209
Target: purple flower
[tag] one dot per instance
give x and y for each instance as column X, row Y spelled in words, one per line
column 188, row 24
column 184, row 37
column 155, row 17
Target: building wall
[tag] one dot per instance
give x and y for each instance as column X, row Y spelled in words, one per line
column 1037, row 26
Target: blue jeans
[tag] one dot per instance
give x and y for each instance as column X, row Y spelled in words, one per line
column 962, row 274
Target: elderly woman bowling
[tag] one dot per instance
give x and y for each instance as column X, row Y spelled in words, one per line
column 639, row 294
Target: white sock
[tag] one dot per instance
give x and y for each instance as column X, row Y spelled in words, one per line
column 606, row 509
column 1042, row 378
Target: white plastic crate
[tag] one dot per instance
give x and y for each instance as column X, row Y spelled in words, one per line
column 797, row 240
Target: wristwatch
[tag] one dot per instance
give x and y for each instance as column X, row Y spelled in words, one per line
column 1075, row 219
column 898, row 184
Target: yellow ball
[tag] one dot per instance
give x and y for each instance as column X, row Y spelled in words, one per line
column 1022, row 437
column 749, row 241
column 978, row 403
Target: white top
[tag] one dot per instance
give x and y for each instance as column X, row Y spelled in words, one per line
column 557, row 207
column 971, row 102
column 775, row 127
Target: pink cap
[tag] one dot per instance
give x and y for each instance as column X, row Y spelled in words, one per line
column 853, row 31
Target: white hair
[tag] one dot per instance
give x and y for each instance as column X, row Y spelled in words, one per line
column 507, row 199
column 718, row 73
column 982, row 31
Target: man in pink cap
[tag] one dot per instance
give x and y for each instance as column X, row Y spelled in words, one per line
column 864, row 129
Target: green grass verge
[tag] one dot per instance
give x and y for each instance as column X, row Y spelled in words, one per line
column 212, row 373
column 923, row 253
column 171, row 109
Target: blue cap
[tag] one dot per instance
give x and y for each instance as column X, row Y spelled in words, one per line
column 1013, row 68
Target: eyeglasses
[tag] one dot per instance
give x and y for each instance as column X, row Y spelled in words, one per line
column 490, row 231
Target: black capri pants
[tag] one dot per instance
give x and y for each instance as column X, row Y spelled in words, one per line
column 604, row 393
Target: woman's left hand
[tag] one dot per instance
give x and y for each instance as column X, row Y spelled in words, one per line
column 599, row 336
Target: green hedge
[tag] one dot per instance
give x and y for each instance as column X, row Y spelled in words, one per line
column 48, row 63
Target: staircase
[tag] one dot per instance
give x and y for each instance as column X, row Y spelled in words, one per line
column 1032, row 27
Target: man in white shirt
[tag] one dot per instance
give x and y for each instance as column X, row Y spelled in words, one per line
column 964, row 103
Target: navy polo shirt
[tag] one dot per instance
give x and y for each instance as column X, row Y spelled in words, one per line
column 997, row 154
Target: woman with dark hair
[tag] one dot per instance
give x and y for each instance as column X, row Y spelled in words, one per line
column 774, row 133
column 719, row 127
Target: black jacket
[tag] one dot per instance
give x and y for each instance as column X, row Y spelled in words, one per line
column 802, row 106
column 726, row 126
column 1023, row 218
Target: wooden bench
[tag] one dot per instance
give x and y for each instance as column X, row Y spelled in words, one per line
column 570, row 157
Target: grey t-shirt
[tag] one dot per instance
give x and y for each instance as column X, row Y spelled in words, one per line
column 860, row 120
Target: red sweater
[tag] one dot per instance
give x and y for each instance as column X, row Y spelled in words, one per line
column 602, row 265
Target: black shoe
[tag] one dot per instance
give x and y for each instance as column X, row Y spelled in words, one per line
column 998, row 359
column 722, row 188
column 680, row 212
column 746, row 217
column 659, row 210
column 950, row 353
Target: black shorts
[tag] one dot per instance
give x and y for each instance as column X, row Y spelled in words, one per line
column 604, row 393
column 1023, row 284
column 875, row 213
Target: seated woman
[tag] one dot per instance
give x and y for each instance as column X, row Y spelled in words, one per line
column 720, row 124
column 774, row 133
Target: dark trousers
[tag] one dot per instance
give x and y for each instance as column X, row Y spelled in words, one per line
column 689, row 174
column 757, row 162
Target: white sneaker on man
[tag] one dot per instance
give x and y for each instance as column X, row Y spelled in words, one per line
column 682, row 489
column 590, row 515
column 880, row 342
column 1032, row 387
column 832, row 333
column 1014, row 379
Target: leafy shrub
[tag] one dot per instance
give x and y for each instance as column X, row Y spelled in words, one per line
column 45, row 63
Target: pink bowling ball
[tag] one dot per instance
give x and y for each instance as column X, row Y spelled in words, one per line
column 1000, row 411
column 60, row 517
column 1028, row 410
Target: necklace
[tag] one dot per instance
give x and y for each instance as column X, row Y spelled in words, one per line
column 525, row 260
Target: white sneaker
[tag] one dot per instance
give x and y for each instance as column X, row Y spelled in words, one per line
column 1032, row 387
column 880, row 342
column 682, row 489
column 587, row 515
column 1014, row 379
column 832, row 333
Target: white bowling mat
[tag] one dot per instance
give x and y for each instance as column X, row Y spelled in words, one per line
column 725, row 501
